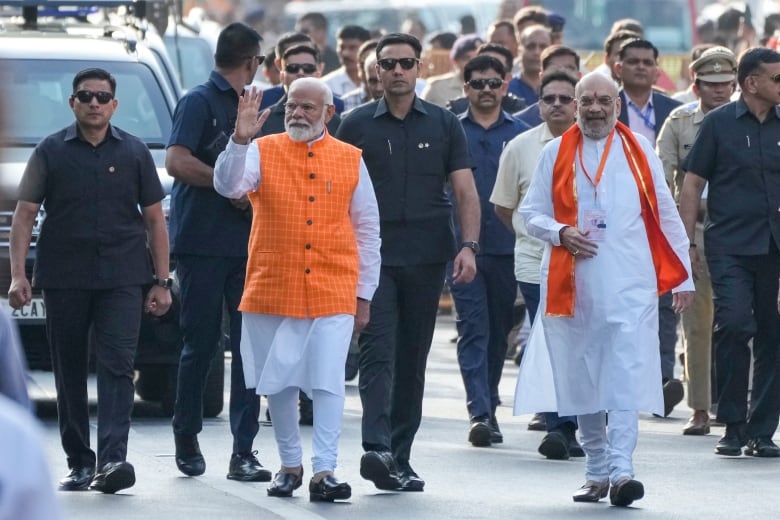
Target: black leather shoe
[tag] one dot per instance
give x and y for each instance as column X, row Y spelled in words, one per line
column 284, row 484
column 555, row 446
column 496, row 437
column 479, row 433
column 410, row 481
column 673, row 394
column 575, row 450
column 731, row 443
column 537, row 423
column 189, row 459
column 77, row 480
column 113, row 476
column 246, row 468
column 625, row 492
column 379, row 467
column 762, row 447
column 329, row 489
column 591, row 491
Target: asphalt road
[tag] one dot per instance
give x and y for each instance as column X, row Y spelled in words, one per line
column 683, row 478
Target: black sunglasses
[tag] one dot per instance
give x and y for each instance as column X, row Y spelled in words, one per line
column 307, row 68
column 86, row 96
column 479, row 84
column 563, row 98
column 390, row 63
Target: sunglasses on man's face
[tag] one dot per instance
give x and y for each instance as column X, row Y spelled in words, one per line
column 86, row 96
column 563, row 98
column 479, row 84
column 390, row 63
column 307, row 68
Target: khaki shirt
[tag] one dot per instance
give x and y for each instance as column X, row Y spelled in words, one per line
column 675, row 141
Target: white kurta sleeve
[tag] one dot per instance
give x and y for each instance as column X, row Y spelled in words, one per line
column 671, row 224
column 537, row 207
column 364, row 214
column 237, row 170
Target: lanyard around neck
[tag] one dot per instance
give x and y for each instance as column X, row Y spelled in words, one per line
column 644, row 114
column 600, row 171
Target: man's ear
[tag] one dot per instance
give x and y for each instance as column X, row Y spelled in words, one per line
column 330, row 112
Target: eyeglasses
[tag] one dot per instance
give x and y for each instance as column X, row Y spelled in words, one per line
column 259, row 58
column 774, row 78
column 308, row 108
column 294, row 68
column 563, row 98
column 86, row 96
column 390, row 63
column 604, row 101
column 479, row 84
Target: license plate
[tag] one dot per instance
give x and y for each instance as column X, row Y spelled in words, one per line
column 35, row 310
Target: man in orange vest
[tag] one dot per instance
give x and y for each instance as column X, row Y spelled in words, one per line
column 313, row 268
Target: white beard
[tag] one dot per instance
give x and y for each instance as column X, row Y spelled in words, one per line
column 305, row 134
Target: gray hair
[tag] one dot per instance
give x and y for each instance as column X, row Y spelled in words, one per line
column 316, row 83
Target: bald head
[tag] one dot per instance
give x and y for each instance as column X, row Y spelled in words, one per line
column 598, row 105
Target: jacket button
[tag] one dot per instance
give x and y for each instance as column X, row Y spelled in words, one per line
column 308, row 246
column 309, row 222
column 308, row 270
column 311, row 154
column 311, row 176
column 311, row 199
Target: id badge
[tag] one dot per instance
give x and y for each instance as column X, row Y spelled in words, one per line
column 595, row 222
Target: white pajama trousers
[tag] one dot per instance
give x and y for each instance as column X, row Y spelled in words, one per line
column 609, row 448
column 328, row 410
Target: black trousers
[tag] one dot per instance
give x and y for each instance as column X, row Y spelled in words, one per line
column 744, row 292
column 393, row 354
column 114, row 317
column 206, row 282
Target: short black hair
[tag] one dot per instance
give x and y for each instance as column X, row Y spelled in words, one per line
column 445, row 39
column 619, row 37
column 302, row 49
column 289, row 39
column 236, row 43
column 399, row 39
column 506, row 24
column 94, row 73
column 367, row 48
column 531, row 13
column 637, row 43
column 557, row 75
column 317, row 19
column 353, row 32
column 481, row 63
column 753, row 60
column 270, row 58
column 498, row 49
column 553, row 51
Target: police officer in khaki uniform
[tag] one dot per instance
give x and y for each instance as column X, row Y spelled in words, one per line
column 715, row 75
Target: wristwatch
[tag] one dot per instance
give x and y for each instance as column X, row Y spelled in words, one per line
column 163, row 282
column 474, row 246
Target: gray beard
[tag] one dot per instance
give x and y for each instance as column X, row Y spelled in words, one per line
column 304, row 135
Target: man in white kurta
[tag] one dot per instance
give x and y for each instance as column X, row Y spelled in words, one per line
column 287, row 348
column 603, row 357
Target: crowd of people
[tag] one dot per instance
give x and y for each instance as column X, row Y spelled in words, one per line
column 336, row 205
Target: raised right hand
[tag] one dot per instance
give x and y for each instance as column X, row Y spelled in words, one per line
column 249, row 120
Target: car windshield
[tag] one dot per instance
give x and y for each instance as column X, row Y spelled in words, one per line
column 192, row 57
column 667, row 23
column 38, row 91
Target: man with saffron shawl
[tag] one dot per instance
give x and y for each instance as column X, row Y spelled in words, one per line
column 614, row 243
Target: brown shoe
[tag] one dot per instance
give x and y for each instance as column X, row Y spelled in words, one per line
column 698, row 424
column 591, row 491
